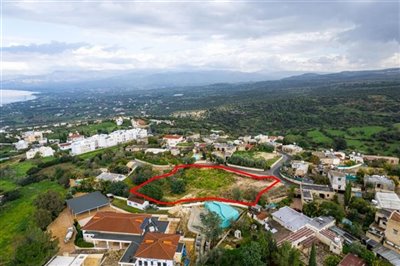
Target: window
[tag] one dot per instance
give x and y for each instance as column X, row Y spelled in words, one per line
column 145, row 263
column 164, row 264
column 140, row 263
column 396, row 232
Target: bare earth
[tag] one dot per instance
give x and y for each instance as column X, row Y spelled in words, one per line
column 59, row 226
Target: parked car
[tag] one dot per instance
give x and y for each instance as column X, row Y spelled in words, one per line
column 69, row 234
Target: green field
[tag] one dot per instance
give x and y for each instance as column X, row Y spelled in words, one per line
column 319, row 137
column 16, row 216
column 358, row 138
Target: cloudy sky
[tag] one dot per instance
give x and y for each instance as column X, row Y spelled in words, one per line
column 45, row 36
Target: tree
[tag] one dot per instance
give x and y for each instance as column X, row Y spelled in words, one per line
column 51, row 201
column 347, row 194
column 118, row 188
column 152, row 190
column 236, row 193
column 36, row 248
column 251, row 255
column 287, row 256
column 178, row 186
column 43, row 218
column 332, row 260
column 330, row 208
column 339, row 144
column 310, row 209
column 312, row 260
column 211, row 226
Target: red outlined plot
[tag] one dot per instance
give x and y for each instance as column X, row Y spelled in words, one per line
column 135, row 189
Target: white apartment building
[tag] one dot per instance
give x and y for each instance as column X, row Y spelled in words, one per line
column 43, row 151
column 21, row 145
column 83, row 146
column 104, row 140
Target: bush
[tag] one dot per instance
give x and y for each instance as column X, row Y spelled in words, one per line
column 178, row 186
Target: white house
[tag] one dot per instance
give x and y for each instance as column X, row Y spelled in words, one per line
column 119, row 121
column 172, row 140
column 110, row 177
column 292, row 149
column 338, row 180
column 43, row 151
column 21, row 145
column 137, row 203
column 300, row 168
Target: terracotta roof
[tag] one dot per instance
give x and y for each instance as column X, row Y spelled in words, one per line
column 352, row 260
column 262, row 215
column 304, row 232
column 133, row 198
column 329, row 234
column 172, row 137
column 158, row 246
column 395, row 216
column 116, row 222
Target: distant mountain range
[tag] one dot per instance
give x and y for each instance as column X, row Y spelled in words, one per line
column 150, row 79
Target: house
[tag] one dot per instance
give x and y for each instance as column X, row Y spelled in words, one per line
column 110, row 177
column 392, row 232
column 64, row 146
column 72, row 137
column 136, row 202
column 327, row 157
column 43, row 151
column 290, row 219
column 138, row 123
column 87, row 203
column 379, row 183
column 352, row 260
column 300, row 168
column 21, row 145
column 144, row 237
column 338, row 180
column 357, row 158
column 387, row 200
column 306, row 231
column 309, row 190
column 32, row 136
column 292, row 149
column 391, row 160
column 119, row 121
column 172, row 140
column 158, row 249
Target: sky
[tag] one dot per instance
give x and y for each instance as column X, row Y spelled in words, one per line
column 40, row 37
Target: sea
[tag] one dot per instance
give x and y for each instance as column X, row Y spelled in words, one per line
column 12, row 96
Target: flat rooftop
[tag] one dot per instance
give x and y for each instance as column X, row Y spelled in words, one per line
column 388, row 200
column 291, row 219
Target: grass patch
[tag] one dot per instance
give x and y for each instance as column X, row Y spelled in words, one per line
column 16, row 216
column 319, row 137
column 6, row 185
column 364, row 132
column 209, row 179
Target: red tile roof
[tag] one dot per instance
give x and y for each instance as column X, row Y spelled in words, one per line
column 172, row 137
column 352, row 260
column 116, row 222
column 133, row 198
column 304, row 232
column 158, row 246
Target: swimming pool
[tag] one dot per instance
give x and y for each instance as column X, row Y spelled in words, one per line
column 224, row 211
